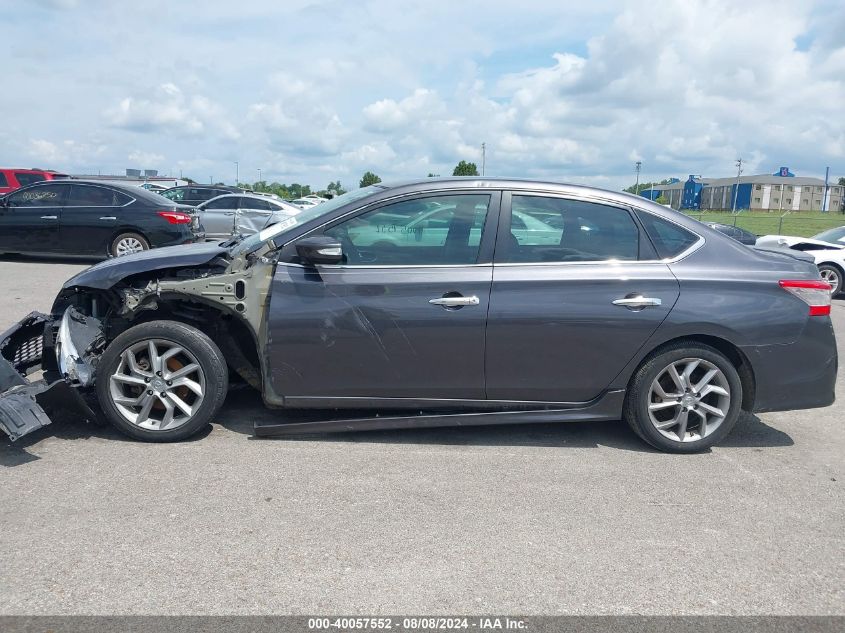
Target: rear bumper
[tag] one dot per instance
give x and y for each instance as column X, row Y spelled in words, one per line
column 801, row 375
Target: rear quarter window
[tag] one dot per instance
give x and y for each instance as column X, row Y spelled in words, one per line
column 3, row 181
column 669, row 239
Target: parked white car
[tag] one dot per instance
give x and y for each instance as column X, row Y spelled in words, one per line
column 304, row 203
column 828, row 255
column 242, row 214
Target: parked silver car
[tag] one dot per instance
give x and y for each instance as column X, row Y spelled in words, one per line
column 242, row 214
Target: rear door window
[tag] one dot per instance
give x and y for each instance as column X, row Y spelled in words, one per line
column 547, row 229
column 3, row 181
column 255, row 204
column 222, row 203
column 91, row 196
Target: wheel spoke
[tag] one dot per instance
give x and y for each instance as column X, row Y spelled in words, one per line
column 183, row 371
column 687, row 375
column 170, row 354
column 167, row 420
column 676, row 378
column 155, row 360
column 132, row 363
column 682, row 424
column 190, row 384
column 129, row 380
column 129, row 401
column 184, row 406
column 144, row 413
column 719, row 391
column 702, row 429
column 711, row 409
column 705, row 380
column 657, row 406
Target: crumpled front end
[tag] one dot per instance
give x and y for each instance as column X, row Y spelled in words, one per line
column 32, row 386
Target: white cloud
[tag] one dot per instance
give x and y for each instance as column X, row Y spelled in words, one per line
column 576, row 91
column 145, row 159
column 170, row 110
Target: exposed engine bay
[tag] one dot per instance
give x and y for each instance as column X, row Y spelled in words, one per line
column 48, row 363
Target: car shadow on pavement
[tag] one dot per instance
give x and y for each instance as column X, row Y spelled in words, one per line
column 16, row 453
column 244, row 408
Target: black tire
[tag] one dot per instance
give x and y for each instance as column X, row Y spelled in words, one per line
column 207, row 355
column 834, row 270
column 637, row 399
column 114, row 247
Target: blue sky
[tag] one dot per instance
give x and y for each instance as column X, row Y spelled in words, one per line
column 314, row 91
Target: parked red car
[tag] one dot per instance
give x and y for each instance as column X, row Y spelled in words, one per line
column 11, row 179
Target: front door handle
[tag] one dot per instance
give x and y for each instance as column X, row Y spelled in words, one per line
column 108, row 217
column 229, row 213
column 49, row 217
column 637, row 302
column 455, row 302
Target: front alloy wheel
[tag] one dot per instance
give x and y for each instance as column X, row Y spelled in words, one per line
column 158, row 385
column 161, row 381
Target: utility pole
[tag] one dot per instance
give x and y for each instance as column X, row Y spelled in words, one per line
column 237, row 173
column 826, row 190
column 637, row 186
column 736, row 189
column 259, row 174
column 483, row 157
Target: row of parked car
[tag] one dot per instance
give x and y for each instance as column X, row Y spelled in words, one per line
column 58, row 215
column 91, row 218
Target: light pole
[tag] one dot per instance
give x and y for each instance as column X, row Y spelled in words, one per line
column 637, row 186
column 483, row 157
column 237, row 173
column 259, row 174
column 736, row 189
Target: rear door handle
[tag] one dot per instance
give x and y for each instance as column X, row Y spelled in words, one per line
column 108, row 217
column 49, row 217
column 454, row 302
column 637, row 302
column 229, row 213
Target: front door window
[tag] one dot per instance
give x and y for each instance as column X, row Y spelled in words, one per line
column 438, row 230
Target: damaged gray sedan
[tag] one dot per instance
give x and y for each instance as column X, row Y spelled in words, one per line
column 435, row 303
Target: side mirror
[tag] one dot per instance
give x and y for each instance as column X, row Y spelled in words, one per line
column 320, row 249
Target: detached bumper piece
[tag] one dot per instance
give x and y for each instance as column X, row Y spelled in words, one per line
column 24, row 404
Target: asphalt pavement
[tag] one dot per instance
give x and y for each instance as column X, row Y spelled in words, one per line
column 547, row 519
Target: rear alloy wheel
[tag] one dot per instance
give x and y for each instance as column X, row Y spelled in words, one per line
column 684, row 399
column 832, row 276
column 128, row 243
column 161, row 381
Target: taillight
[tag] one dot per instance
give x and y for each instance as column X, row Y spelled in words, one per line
column 175, row 217
column 815, row 294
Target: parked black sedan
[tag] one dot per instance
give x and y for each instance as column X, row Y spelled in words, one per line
column 75, row 217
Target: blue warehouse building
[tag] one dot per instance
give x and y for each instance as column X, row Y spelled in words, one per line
column 782, row 191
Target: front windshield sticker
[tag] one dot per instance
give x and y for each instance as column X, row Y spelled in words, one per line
column 275, row 229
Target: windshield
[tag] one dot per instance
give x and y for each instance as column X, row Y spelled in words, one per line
column 834, row 236
column 306, row 215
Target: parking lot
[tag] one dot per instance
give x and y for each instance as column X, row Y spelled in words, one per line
column 553, row 519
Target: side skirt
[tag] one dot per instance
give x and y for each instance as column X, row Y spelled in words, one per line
column 606, row 407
